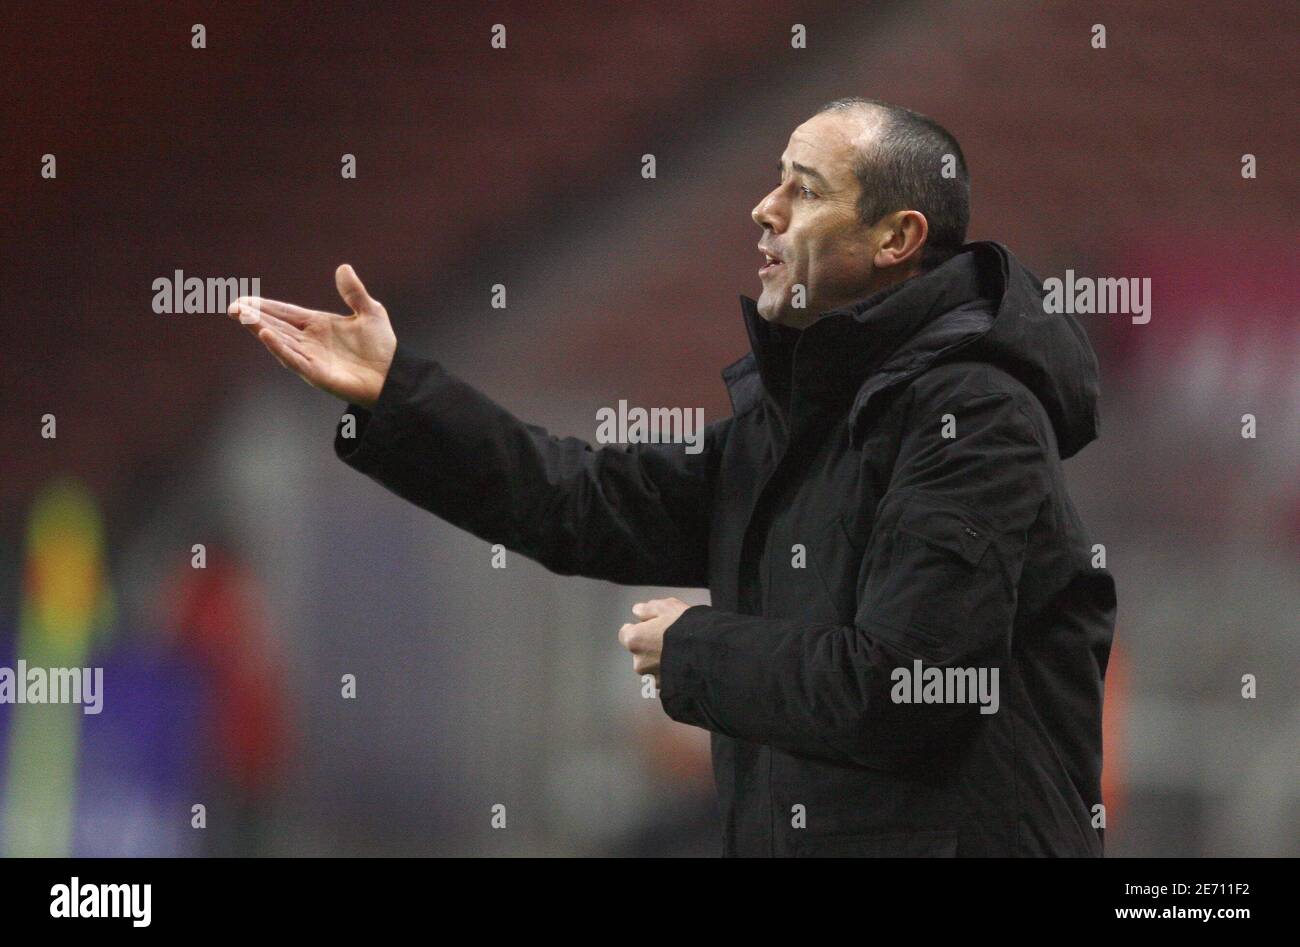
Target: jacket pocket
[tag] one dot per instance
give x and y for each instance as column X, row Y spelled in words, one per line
column 951, row 528
column 923, row 844
column 935, row 585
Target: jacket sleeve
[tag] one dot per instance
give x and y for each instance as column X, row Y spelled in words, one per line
column 937, row 584
column 636, row 515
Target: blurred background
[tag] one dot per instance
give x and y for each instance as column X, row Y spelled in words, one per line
column 522, row 167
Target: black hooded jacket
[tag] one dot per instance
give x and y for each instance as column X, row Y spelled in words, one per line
column 907, row 640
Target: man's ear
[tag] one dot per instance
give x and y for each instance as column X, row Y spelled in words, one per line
column 902, row 237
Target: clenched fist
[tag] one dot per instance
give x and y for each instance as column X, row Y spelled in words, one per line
column 645, row 637
column 347, row 356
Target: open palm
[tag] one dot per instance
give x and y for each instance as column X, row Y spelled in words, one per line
column 347, row 356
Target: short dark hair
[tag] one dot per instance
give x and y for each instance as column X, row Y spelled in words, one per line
column 903, row 172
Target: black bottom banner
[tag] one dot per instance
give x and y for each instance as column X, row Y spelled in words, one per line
column 146, row 896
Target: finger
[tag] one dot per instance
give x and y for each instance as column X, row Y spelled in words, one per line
column 653, row 608
column 283, row 349
column 294, row 315
column 284, row 340
column 254, row 324
column 287, row 333
column 352, row 291
column 634, row 635
column 268, row 321
column 282, row 326
column 244, row 312
column 648, row 610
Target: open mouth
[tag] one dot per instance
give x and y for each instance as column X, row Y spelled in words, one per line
column 770, row 264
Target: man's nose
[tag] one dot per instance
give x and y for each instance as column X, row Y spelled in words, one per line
column 767, row 213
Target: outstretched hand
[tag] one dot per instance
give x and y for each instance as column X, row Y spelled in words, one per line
column 347, row 356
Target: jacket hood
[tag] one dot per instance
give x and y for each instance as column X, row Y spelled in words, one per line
column 981, row 305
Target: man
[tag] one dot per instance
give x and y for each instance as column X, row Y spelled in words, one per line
column 908, row 637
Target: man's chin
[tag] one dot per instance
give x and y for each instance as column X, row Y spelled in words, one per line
column 770, row 309
column 782, row 314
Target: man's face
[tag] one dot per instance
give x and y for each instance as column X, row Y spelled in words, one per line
column 810, row 222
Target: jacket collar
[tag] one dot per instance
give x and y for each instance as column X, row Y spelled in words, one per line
column 879, row 338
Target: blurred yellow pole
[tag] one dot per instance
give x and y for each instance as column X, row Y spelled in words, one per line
column 66, row 599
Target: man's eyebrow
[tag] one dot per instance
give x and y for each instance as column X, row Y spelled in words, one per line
column 805, row 170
